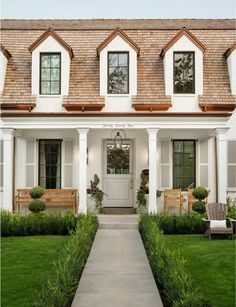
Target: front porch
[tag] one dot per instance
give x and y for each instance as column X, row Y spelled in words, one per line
column 84, row 151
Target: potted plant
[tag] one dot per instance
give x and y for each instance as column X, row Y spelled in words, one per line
column 37, row 205
column 96, row 194
column 200, row 193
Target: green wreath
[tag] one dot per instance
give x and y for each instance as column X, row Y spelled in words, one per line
column 117, row 158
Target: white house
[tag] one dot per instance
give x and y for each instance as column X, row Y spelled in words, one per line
column 165, row 87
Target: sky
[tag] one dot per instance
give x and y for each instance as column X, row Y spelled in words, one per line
column 59, row 9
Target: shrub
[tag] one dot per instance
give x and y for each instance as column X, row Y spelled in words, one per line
column 60, row 288
column 179, row 224
column 36, row 192
column 200, row 193
column 199, row 207
column 176, row 286
column 37, row 205
column 231, row 209
column 37, row 224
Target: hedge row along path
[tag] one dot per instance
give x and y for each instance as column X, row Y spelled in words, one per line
column 117, row 271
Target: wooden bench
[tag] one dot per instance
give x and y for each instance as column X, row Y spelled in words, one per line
column 54, row 197
column 173, row 197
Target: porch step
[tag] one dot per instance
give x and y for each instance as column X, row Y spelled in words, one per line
column 118, row 221
column 118, row 210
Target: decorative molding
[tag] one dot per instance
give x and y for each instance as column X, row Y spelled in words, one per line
column 229, row 50
column 18, row 106
column 5, row 52
column 83, row 107
column 45, row 35
column 182, row 32
column 119, row 114
column 217, row 107
column 151, row 107
column 123, row 35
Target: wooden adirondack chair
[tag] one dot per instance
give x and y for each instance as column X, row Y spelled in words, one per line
column 217, row 211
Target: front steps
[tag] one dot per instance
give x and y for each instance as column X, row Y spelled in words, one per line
column 118, row 221
column 117, row 210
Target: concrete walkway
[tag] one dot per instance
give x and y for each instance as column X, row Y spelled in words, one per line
column 117, row 273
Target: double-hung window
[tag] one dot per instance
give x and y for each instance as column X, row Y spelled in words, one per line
column 118, row 72
column 184, row 73
column 184, row 164
column 50, row 73
column 50, row 164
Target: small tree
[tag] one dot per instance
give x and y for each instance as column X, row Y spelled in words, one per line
column 200, row 193
column 37, row 205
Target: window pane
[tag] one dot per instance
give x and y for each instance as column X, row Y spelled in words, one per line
column 55, row 88
column 55, row 74
column 123, row 59
column 55, row 61
column 45, row 87
column 113, row 59
column 45, row 60
column 184, row 72
column 45, row 74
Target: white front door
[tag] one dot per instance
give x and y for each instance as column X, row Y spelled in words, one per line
column 118, row 177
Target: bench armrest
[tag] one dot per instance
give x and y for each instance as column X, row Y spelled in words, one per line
column 205, row 220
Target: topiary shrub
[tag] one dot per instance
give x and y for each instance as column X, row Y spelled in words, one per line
column 199, row 207
column 36, row 192
column 37, row 205
column 199, row 193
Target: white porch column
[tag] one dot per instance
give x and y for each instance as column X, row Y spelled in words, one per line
column 221, row 147
column 83, row 170
column 8, row 149
column 152, row 156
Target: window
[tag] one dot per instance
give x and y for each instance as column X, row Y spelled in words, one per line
column 50, row 73
column 184, row 160
column 184, row 81
column 118, row 72
column 50, row 164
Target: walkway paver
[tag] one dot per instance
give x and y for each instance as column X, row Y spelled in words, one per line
column 117, row 273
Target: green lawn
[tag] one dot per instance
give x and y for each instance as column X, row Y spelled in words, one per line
column 25, row 265
column 211, row 264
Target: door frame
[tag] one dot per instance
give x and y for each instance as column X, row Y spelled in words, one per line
column 132, row 174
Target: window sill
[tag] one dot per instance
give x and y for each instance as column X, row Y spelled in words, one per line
column 50, row 96
column 118, row 95
column 185, row 95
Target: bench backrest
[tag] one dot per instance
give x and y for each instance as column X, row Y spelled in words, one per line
column 216, row 211
column 173, row 196
column 50, row 194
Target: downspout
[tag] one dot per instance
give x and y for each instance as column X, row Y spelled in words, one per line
column 216, row 168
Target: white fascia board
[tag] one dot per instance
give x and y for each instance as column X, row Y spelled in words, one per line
column 116, row 123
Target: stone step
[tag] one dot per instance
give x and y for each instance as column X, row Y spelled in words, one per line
column 118, row 221
column 118, row 210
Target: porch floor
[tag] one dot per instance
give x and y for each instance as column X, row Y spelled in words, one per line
column 117, row 272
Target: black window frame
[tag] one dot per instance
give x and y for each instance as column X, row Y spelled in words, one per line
column 40, row 72
column 39, row 164
column 117, row 52
column 173, row 161
column 184, row 52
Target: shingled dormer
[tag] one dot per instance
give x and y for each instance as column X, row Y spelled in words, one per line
column 118, row 69
column 183, row 69
column 4, row 57
column 230, row 55
column 51, row 59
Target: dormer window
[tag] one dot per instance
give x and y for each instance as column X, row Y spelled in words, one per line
column 118, row 72
column 184, row 80
column 50, row 73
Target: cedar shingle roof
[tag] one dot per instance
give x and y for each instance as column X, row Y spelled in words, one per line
column 83, row 36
